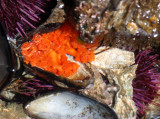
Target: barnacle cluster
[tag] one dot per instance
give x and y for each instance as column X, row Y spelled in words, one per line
column 129, row 23
column 90, row 22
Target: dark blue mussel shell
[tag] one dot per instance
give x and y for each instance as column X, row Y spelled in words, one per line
column 7, row 59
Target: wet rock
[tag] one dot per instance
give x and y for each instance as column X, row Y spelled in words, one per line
column 127, row 23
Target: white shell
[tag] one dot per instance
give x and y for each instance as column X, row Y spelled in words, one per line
column 66, row 105
column 114, row 58
column 118, row 66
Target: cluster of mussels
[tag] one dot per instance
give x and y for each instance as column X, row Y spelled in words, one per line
column 97, row 59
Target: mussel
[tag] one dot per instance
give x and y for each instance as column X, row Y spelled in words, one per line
column 53, row 60
column 8, row 62
column 68, row 105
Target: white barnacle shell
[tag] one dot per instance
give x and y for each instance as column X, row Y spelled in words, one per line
column 119, row 67
column 124, row 104
column 113, row 58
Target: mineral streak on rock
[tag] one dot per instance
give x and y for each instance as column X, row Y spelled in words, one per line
column 129, row 23
column 118, row 92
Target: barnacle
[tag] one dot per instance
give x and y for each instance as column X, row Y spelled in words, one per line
column 129, row 23
column 88, row 15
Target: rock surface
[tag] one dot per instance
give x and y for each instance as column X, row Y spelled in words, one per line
column 12, row 111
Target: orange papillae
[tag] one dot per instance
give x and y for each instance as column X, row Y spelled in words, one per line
column 47, row 51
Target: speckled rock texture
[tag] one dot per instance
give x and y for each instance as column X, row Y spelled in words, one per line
column 12, row 111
